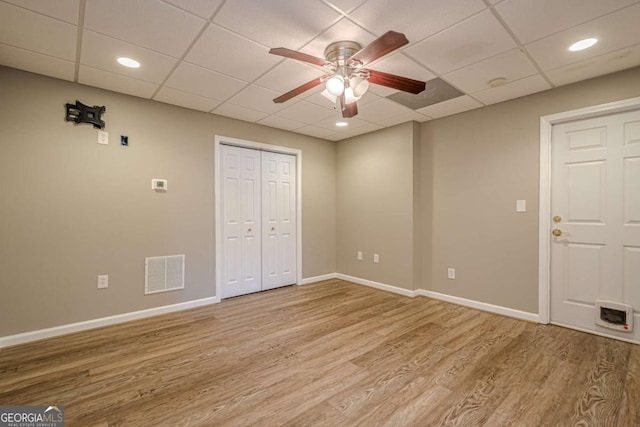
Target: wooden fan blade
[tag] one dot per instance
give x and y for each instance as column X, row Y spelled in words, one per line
column 288, row 53
column 388, row 42
column 396, row 82
column 297, row 91
column 348, row 110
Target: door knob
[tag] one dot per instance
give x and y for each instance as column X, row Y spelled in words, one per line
column 557, row 219
column 249, row 231
column 557, row 232
column 273, row 228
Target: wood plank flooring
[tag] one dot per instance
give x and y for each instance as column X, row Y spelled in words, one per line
column 328, row 354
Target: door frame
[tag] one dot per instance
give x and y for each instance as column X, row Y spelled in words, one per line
column 544, row 218
column 218, row 140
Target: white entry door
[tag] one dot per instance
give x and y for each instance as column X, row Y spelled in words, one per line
column 242, row 221
column 595, row 205
column 258, row 207
column 278, row 220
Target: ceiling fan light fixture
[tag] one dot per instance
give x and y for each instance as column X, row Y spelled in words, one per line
column 359, row 85
column 349, row 96
column 330, row 97
column 335, row 85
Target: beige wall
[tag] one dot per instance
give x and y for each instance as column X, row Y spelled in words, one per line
column 424, row 196
column 72, row 209
column 481, row 162
column 374, row 181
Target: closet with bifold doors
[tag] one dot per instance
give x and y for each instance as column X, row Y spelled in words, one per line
column 258, row 208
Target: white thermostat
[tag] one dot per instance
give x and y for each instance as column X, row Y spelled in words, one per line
column 159, row 184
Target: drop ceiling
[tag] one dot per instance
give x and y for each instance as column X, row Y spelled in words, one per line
column 212, row 55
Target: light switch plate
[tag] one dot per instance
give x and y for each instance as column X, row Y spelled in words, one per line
column 359, row 255
column 376, row 258
column 451, row 273
column 103, row 137
column 521, row 205
column 103, row 281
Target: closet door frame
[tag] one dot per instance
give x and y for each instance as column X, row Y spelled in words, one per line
column 219, row 140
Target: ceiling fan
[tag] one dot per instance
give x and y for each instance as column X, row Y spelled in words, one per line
column 347, row 79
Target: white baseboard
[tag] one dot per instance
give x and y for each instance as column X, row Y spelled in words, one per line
column 104, row 321
column 319, row 278
column 591, row 331
column 497, row 309
column 377, row 285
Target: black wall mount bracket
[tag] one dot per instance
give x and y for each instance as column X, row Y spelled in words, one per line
column 80, row 113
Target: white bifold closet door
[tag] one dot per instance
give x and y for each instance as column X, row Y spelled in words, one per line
column 259, row 220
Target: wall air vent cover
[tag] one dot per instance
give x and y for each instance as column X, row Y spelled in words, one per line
column 163, row 273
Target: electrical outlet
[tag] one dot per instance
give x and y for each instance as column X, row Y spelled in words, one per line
column 451, row 273
column 103, row 281
column 359, row 255
column 376, row 258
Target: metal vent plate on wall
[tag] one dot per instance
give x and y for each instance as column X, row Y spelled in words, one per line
column 164, row 273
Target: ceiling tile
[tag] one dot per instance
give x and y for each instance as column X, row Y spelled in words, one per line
column 381, row 91
column 305, row 112
column 281, row 123
column 151, row 24
column 403, row 118
column 218, row 49
column 330, row 123
column 288, row 75
column 240, row 113
column 512, row 65
column 342, row 30
column 380, row 109
column 532, row 20
column 417, row 19
column 450, row 107
column 200, row 81
column 369, row 127
column 470, row 41
column 37, row 63
column 319, row 132
column 115, row 82
column 593, row 67
column 277, row 23
column 184, row 99
column 33, row 31
column 99, row 51
column 403, row 66
column 345, row 5
column 526, row 86
column 203, row 8
column 258, row 98
column 320, row 100
column 65, row 10
column 614, row 31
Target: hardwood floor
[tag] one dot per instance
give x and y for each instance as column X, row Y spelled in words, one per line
column 328, row 354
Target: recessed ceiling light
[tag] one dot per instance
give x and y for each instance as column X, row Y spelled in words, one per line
column 583, row 44
column 497, row 82
column 128, row 62
column 342, row 124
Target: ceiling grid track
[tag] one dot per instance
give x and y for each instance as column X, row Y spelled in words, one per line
column 81, row 9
